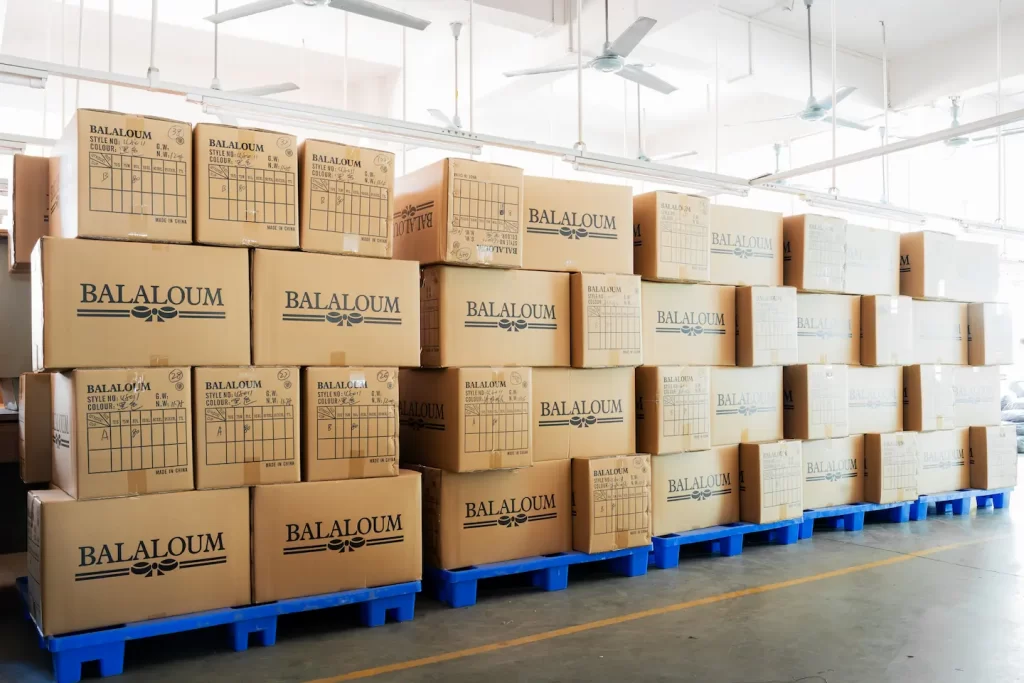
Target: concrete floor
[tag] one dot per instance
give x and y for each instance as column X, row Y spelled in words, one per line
column 936, row 601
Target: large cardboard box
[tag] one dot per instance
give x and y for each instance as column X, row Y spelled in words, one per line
column 480, row 517
column 928, row 265
column 872, row 261
column 695, row 490
column 928, row 397
column 684, row 323
column 35, row 427
column 876, row 403
column 828, row 329
column 976, row 396
column 583, row 412
column 247, row 426
column 673, row 405
column 577, row 227
column 746, row 246
column 816, row 401
column 247, row 185
column 611, row 502
column 605, row 321
column 977, row 270
column 109, row 304
column 891, row 467
column 771, row 482
column 330, row 536
column 122, row 177
column 943, row 461
column 940, row 332
column 16, row 331
column 473, row 316
column 989, row 334
column 100, row 563
column 993, row 457
column 671, row 237
column 122, row 432
column 766, row 332
column 815, row 253
column 350, row 423
column 467, row 419
column 321, row 309
column 887, row 330
column 833, row 471
column 346, row 199
column 30, row 204
column 460, row 211
column 746, row 405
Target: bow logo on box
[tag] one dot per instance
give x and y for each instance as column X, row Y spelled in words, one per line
column 159, row 314
column 743, row 252
column 701, row 494
column 513, row 325
column 573, row 233
column 343, row 319
column 342, row 545
column 510, row 521
column 581, row 422
column 154, row 568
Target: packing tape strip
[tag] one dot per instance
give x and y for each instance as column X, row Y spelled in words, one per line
column 337, row 358
column 744, row 435
column 137, row 482
column 621, row 539
column 251, row 233
column 252, row 473
column 357, row 465
column 159, row 361
column 496, row 460
column 828, row 431
column 351, row 243
column 775, row 356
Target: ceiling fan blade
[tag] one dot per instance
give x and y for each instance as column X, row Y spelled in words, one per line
column 441, row 117
column 676, row 155
column 544, row 70
column 841, row 94
column 375, row 11
column 632, row 36
column 846, row 123
column 271, row 89
column 247, row 10
column 777, row 118
column 648, row 80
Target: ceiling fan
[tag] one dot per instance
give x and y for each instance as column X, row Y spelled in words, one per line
column 454, row 122
column 955, row 108
column 641, row 119
column 362, row 7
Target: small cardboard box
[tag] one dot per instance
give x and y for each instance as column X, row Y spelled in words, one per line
column 247, row 426
column 833, row 471
column 100, row 563
column 746, row 246
column 321, row 309
column 928, row 397
column 53, row 195
column 828, row 329
column 247, row 184
column 940, row 332
column 989, row 334
column 891, row 467
column 887, row 330
column 467, row 419
column 329, row 536
column 611, row 502
column 876, row 403
column 815, row 253
column 976, row 396
column 583, row 412
column 122, row 177
column 684, row 323
column 993, row 457
column 476, row 316
column 673, row 408
column 771, row 484
column 35, row 427
column 577, row 227
column 346, row 199
column 816, row 401
column 30, row 204
column 695, row 490
column 766, row 326
column 944, row 461
column 460, row 211
column 872, row 261
column 109, row 304
column 350, row 423
column 671, row 237
column 977, row 270
column 480, row 517
column 605, row 321
column 928, row 265
column 746, row 405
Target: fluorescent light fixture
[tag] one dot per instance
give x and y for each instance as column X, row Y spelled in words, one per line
column 5, row 187
column 16, row 144
column 986, row 226
column 863, row 208
column 704, row 183
column 29, row 78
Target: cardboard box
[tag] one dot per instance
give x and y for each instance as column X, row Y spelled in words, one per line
column 16, row 331
column 746, row 246
column 122, row 432
column 940, row 332
column 833, row 471
column 977, row 270
column 943, row 461
column 828, row 329
column 989, row 334
column 583, row 412
column 816, row 401
column 685, row 323
column 993, row 457
column 346, row 199
column 480, row 517
column 329, row 536
column 247, row 426
column 876, row 403
column 611, row 502
column 928, row 397
column 35, row 427
column 891, row 467
column 349, row 423
column 815, row 253
column 928, row 265
column 872, row 261
column 976, row 396
column 887, row 330
column 605, row 321
column 771, row 483
column 247, row 183
column 320, row 309
column 460, row 211
column 109, row 304
column 30, row 204
column 695, row 490
column 577, row 227
column 673, row 408
column 101, row 563
column 53, row 196
column 489, row 317
column 766, row 326
column 467, row 419
column 122, row 177
column 671, row 237
column 746, row 405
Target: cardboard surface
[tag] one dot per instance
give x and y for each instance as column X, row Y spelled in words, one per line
column 30, row 205
column 989, row 334
column 746, row 246
column 928, row 267
column 673, row 408
column 695, row 490
column 876, row 403
column 828, row 329
column 766, row 332
column 671, row 237
column 891, row 467
column 687, row 323
column 940, row 332
column 928, row 397
column 35, row 427
column 872, row 261
column 944, row 461
column 887, row 330
column 815, row 401
column 771, row 481
column 833, row 472
column 17, row 329
column 611, row 502
column 605, row 320
column 977, row 270
column 746, row 405
column 993, row 457
column 976, row 396
column 815, row 253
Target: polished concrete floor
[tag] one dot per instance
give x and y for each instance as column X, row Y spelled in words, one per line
column 940, row 600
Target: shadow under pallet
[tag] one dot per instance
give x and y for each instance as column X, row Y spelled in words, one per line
column 960, row 501
column 726, row 540
column 851, row 517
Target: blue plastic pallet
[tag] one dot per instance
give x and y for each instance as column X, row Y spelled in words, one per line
column 726, row 540
column 457, row 587
column 70, row 652
column 960, row 501
column 851, row 517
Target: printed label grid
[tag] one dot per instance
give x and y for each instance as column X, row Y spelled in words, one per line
column 899, row 472
column 477, row 205
column 782, row 486
column 682, row 242
column 252, row 195
column 826, row 253
column 134, row 440
column 773, row 329
column 121, row 183
column 347, row 432
column 620, row 508
column 430, row 324
column 351, row 208
column 613, row 328
column 249, row 434
column 496, row 426
column 685, row 415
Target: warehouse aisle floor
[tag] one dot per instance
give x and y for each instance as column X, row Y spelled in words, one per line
column 941, row 600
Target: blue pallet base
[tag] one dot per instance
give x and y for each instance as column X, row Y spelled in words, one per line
column 851, row 517
column 70, row 652
column 725, row 540
column 458, row 587
column 959, row 502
